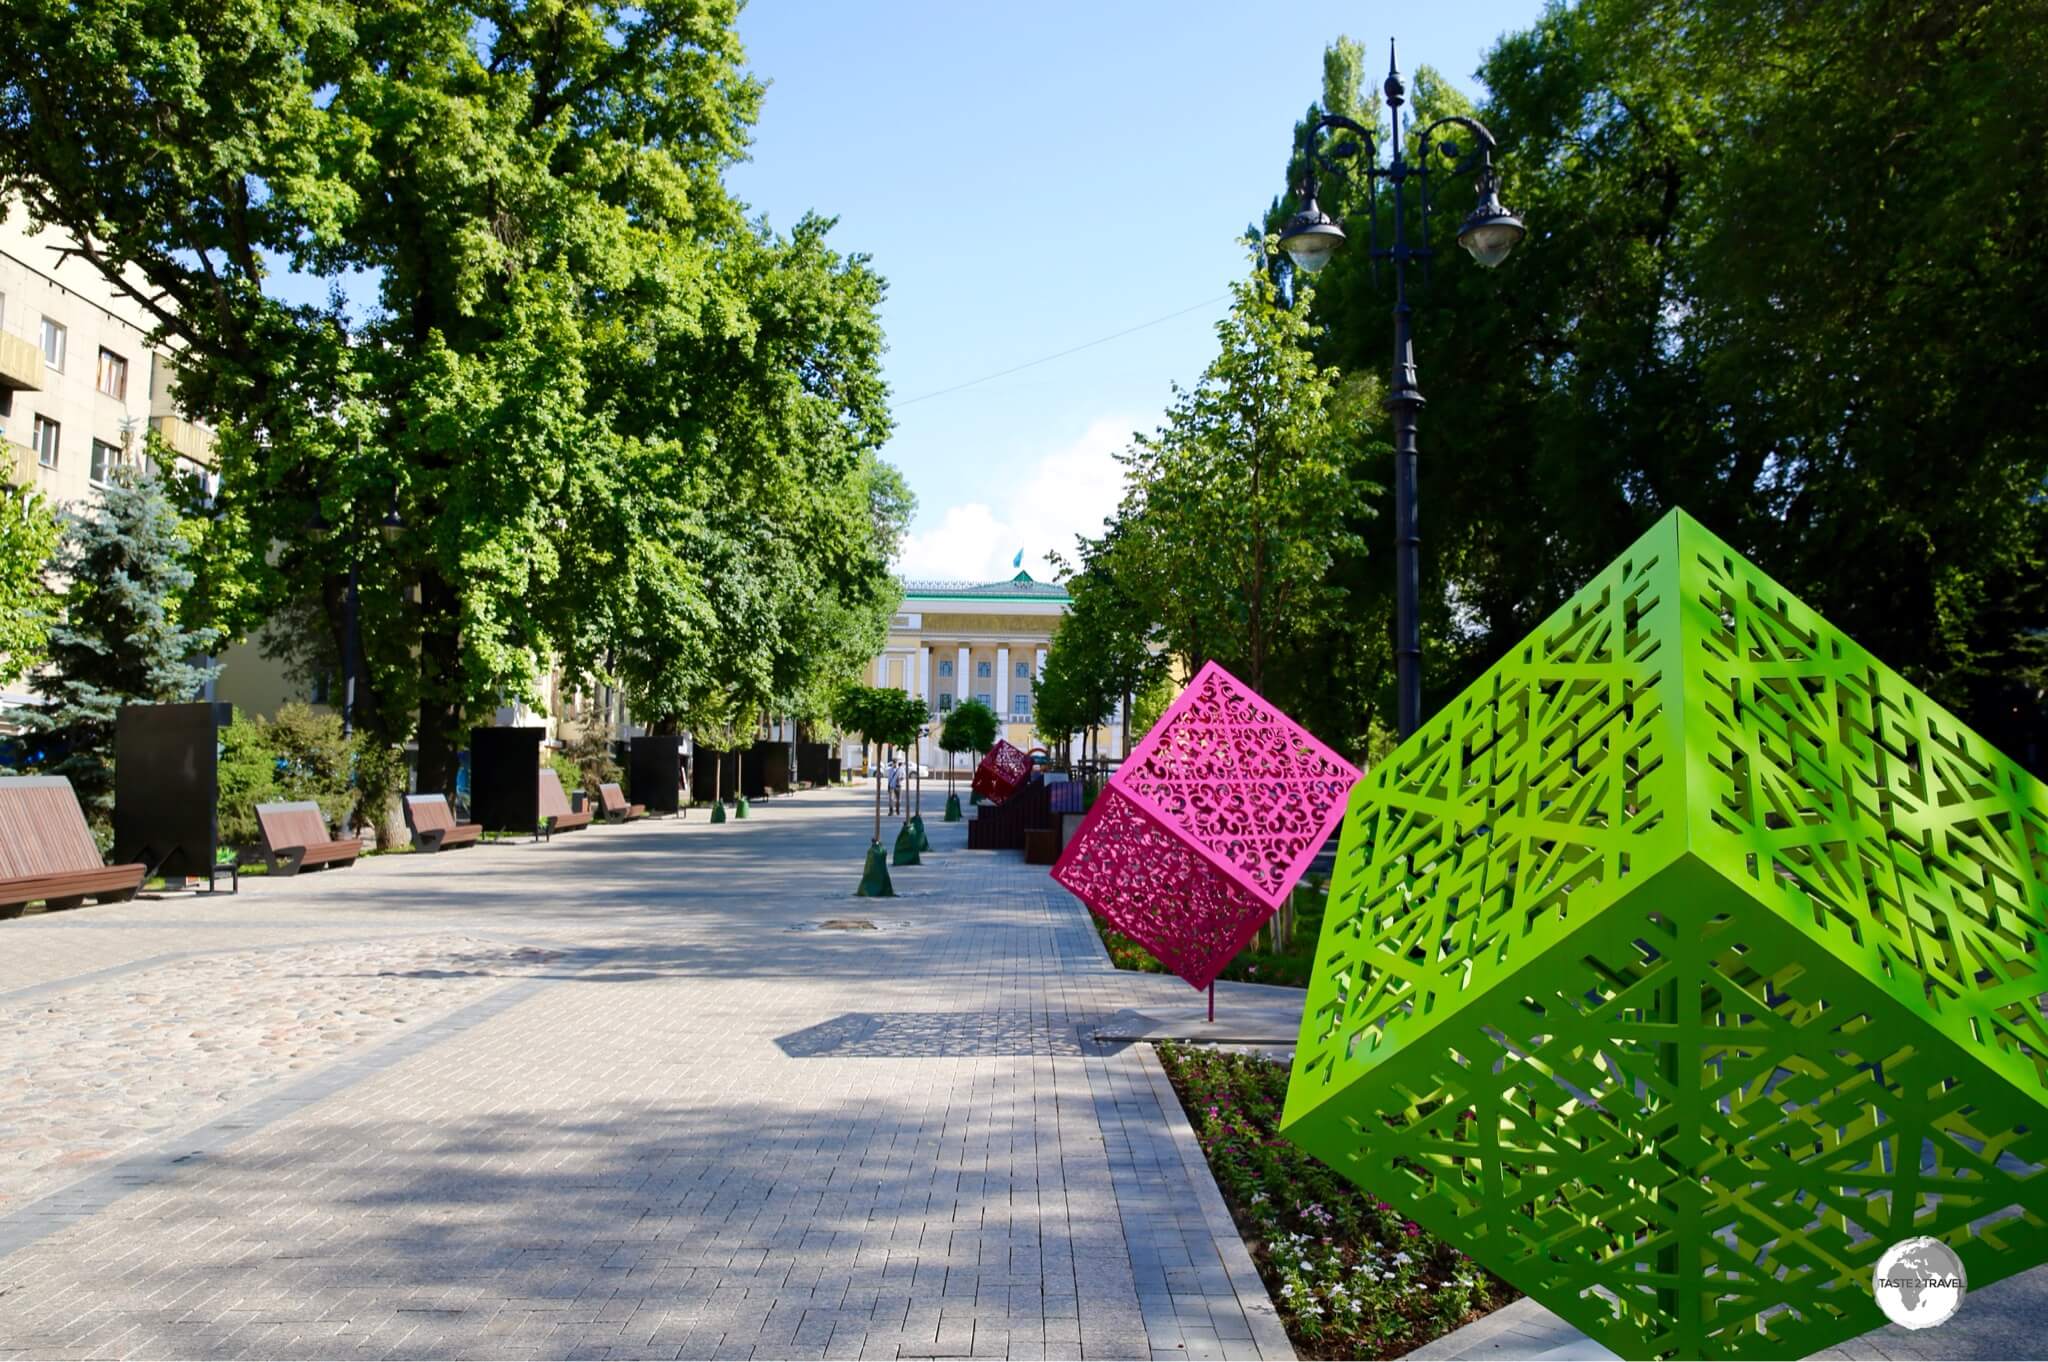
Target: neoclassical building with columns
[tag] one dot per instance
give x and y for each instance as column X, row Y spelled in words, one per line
column 986, row 641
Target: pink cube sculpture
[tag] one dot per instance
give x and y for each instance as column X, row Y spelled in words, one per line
column 1001, row 771
column 1207, row 827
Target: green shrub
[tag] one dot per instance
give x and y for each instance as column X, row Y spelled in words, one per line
column 313, row 759
column 566, row 771
column 248, row 777
column 380, row 777
column 301, row 755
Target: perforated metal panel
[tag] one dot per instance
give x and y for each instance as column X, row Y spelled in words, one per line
column 1685, row 962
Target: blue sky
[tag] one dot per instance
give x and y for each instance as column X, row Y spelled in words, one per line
column 1030, row 177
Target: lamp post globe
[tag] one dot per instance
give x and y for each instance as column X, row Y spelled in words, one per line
column 1491, row 232
column 1311, row 238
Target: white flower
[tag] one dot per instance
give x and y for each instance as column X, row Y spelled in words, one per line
column 1402, row 1260
column 1306, row 1266
column 1287, row 1290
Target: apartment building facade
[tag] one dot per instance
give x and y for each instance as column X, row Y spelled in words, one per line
column 80, row 385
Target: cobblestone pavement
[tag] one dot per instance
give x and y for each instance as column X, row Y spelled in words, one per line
column 618, row 1095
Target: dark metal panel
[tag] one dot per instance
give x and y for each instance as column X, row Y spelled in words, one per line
column 166, row 784
column 504, row 778
column 654, row 772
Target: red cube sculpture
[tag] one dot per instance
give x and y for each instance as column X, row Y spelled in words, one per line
column 1004, row 769
column 1208, row 826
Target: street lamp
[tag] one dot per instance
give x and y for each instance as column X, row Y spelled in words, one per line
column 1311, row 237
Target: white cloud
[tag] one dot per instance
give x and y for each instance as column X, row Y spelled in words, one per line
column 1066, row 492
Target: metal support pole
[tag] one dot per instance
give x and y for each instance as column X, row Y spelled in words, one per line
column 1212, row 1000
column 351, row 642
column 1404, row 400
column 1406, row 404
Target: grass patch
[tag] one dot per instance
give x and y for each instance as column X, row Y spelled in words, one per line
column 1253, row 965
column 1350, row 1276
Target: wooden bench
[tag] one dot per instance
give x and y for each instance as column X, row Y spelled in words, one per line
column 555, row 813
column 616, row 809
column 47, row 853
column 433, row 824
column 296, row 837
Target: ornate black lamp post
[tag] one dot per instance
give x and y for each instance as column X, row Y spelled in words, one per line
column 1312, row 237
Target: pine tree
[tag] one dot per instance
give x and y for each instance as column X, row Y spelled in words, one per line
column 120, row 641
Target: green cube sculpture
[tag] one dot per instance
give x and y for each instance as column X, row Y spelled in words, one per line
column 1684, row 963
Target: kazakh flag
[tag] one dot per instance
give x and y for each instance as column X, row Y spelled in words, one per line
column 1018, row 561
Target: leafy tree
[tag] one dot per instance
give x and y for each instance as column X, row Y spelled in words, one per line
column 121, row 640
column 970, row 726
column 1149, row 703
column 28, row 538
column 619, row 424
column 1237, row 510
column 1101, row 655
column 872, row 712
column 1778, row 273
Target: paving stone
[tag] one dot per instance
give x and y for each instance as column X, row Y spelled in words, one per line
column 593, row 1098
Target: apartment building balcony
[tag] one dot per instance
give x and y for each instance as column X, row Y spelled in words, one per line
column 18, row 459
column 21, row 364
column 180, row 436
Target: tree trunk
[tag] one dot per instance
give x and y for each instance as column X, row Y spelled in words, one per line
column 440, row 676
column 667, row 726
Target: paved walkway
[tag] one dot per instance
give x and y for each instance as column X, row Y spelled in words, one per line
column 614, row 1096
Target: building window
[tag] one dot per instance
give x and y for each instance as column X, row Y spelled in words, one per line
column 982, row 671
column 54, row 336
column 105, row 459
column 945, row 667
column 44, row 442
column 945, row 701
column 112, row 376
column 985, row 698
column 1020, row 705
column 1024, row 669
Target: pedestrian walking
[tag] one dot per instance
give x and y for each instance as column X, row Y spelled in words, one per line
column 895, row 785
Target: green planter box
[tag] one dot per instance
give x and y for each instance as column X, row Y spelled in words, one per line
column 1686, row 962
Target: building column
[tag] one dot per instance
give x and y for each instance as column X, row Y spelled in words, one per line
column 963, row 680
column 924, row 693
column 1003, row 684
column 1038, row 668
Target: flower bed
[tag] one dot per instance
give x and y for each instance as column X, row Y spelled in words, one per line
column 1351, row 1277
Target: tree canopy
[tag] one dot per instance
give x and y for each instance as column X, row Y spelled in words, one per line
column 614, row 422
column 970, row 726
column 1779, row 273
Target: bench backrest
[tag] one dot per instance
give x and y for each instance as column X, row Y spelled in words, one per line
column 297, row 824
column 614, row 798
column 430, row 813
column 42, row 829
column 553, row 803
